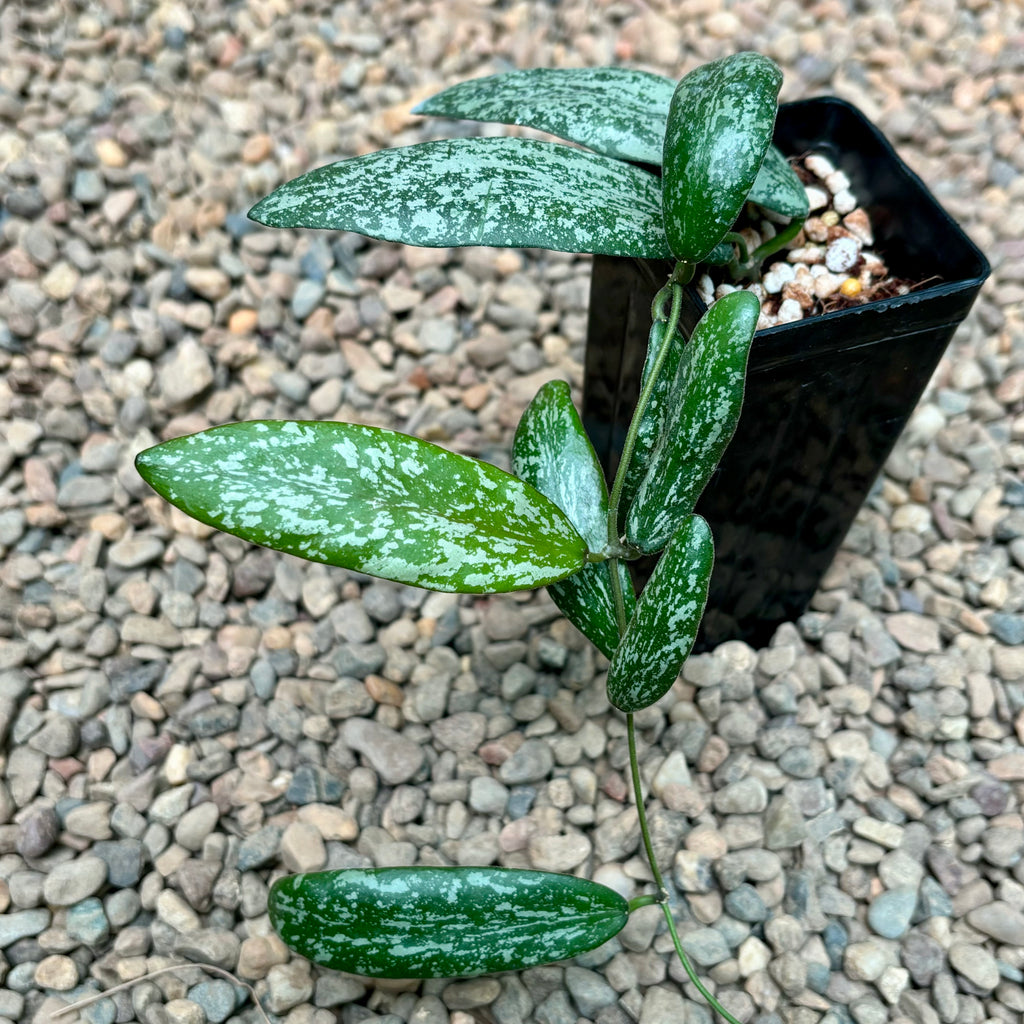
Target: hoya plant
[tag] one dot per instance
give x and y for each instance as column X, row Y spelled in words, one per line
column 666, row 170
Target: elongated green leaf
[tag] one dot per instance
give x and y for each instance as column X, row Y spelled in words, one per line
column 703, row 410
column 614, row 111
column 426, row 922
column 586, row 600
column 552, row 452
column 719, row 127
column 504, row 192
column 661, row 633
column 778, row 188
column 368, row 499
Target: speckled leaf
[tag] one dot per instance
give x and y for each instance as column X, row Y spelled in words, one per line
column 368, row 499
column 427, row 922
column 662, row 630
column 615, row 111
column 552, row 452
column 719, row 127
column 778, row 188
column 703, row 410
column 504, row 192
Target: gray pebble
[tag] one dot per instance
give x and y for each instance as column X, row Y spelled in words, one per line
column 74, row 880
column 890, row 912
column 530, row 763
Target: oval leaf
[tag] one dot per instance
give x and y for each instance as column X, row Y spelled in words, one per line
column 552, row 452
column 427, row 922
column 703, row 410
column 368, row 499
column 661, row 633
column 719, row 127
column 778, row 188
column 614, row 111
column 504, row 192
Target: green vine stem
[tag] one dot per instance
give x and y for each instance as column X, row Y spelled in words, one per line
column 673, row 291
column 747, row 266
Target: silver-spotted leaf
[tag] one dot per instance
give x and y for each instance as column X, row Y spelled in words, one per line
column 502, row 192
column 615, row 111
column 368, row 499
column 719, row 126
column 703, row 410
column 778, row 188
column 552, row 452
column 664, row 626
column 428, row 922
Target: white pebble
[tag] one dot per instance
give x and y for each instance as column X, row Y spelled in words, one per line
column 819, row 165
column 844, row 202
column 724, row 289
column 859, row 225
column 842, row 254
column 779, row 274
column 808, row 254
column 706, row 289
column 837, row 182
column 790, row 311
column 766, row 320
column 757, row 289
column 817, row 198
column 827, row 284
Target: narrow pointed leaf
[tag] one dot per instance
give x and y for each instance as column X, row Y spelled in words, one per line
column 615, row 111
column 661, row 633
column 719, row 127
column 425, row 922
column 703, row 410
column 368, row 499
column 552, row 452
column 778, row 188
column 503, row 192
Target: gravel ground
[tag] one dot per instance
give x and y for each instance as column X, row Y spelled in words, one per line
column 184, row 717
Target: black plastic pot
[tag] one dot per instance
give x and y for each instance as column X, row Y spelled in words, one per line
column 826, row 397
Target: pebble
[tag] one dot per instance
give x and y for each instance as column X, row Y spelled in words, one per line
column 891, row 912
column 975, row 964
column 395, row 758
column 75, row 880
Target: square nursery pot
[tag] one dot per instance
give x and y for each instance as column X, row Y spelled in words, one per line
column 826, row 397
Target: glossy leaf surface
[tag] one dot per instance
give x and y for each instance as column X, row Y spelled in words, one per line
column 503, row 192
column 719, row 127
column 703, row 410
column 614, row 111
column 426, row 922
column 663, row 628
column 778, row 188
column 552, row 452
column 368, row 499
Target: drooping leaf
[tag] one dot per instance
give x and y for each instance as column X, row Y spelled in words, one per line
column 778, row 188
column 552, row 452
column 703, row 410
column 427, row 922
column 615, row 111
column 664, row 626
column 503, row 192
column 719, row 127
column 368, row 499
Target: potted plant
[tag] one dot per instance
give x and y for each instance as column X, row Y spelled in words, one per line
column 391, row 505
column 827, row 396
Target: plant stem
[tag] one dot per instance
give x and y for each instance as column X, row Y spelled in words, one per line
column 748, row 266
column 663, row 896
